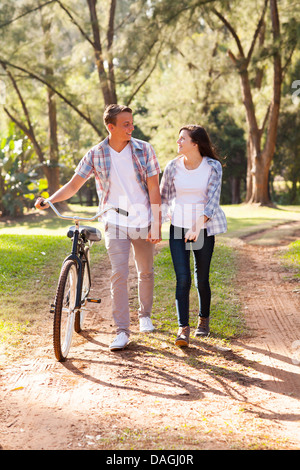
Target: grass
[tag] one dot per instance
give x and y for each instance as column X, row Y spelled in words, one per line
column 45, row 222
column 245, row 219
column 291, row 258
column 29, row 270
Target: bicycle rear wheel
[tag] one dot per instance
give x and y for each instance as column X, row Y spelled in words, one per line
column 64, row 313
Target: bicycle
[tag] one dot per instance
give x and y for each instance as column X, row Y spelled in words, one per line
column 74, row 282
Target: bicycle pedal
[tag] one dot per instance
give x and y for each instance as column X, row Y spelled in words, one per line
column 95, row 301
column 52, row 308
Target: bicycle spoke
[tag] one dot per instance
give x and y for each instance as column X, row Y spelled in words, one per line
column 64, row 317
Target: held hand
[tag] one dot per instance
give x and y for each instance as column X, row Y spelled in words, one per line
column 40, row 205
column 154, row 235
column 191, row 235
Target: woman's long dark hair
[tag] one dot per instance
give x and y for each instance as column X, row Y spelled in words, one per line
column 200, row 137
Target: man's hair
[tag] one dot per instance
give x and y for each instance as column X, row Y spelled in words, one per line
column 111, row 112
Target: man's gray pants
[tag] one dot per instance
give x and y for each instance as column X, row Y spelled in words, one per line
column 118, row 241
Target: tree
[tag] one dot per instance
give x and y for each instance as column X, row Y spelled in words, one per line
column 50, row 168
column 134, row 69
column 273, row 41
column 16, row 172
column 163, row 57
column 229, row 139
column 286, row 160
column 49, row 163
column 261, row 137
column 106, row 78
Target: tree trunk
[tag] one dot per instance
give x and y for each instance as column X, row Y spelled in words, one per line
column 235, row 183
column 107, row 88
column 51, row 168
column 261, row 161
column 257, row 185
column 258, row 159
column 260, row 183
column 52, row 175
column 110, row 38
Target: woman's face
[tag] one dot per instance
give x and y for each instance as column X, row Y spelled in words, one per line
column 185, row 143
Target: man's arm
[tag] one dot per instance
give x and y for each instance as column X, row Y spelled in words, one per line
column 66, row 192
column 154, row 235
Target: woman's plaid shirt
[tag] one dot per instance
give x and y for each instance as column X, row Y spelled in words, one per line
column 217, row 220
column 97, row 161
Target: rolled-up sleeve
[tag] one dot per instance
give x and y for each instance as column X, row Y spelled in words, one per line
column 164, row 186
column 213, row 191
column 167, row 191
column 85, row 167
column 153, row 167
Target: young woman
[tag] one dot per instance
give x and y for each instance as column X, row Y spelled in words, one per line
column 190, row 191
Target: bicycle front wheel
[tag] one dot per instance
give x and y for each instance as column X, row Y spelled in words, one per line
column 86, row 285
column 64, row 310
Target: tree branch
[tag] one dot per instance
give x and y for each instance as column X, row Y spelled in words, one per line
column 140, row 63
column 75, row 22
column 110, row 38
column 146, row 78
column 98, row 53
column 30, row 134
column 255, row 36
column 24, row 107
column 232, row 57
column 26, row 13
column 29, row 131
column 288, row 60
column 62, row 97
column 261, row 130
column 277, row 82
column 231, row 30
column 110, row 29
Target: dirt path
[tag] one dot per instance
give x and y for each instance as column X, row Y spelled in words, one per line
column 155, row 396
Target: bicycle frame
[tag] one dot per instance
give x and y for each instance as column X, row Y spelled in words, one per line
column 74, row 256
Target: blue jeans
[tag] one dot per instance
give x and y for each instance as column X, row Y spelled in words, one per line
column 180, row 252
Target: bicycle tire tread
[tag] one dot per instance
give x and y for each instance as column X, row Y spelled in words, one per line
column 58, row 310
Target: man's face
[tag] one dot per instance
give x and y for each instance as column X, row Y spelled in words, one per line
column 123, row 128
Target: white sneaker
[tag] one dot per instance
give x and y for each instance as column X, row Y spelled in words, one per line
column 146, row 325
column 119, row 342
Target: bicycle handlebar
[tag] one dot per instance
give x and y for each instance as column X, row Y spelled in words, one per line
column 120, row 211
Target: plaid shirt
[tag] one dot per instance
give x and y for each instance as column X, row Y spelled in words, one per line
column 97, row 161
column 217, row 220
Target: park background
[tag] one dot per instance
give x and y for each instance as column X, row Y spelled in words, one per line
column 231, row 66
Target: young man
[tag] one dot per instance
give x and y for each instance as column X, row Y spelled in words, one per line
column 126, row 172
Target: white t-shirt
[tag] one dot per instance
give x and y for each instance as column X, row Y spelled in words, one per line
column 125, row 192
column 191, row 193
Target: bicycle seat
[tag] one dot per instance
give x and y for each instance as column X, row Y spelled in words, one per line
column 89, row 233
